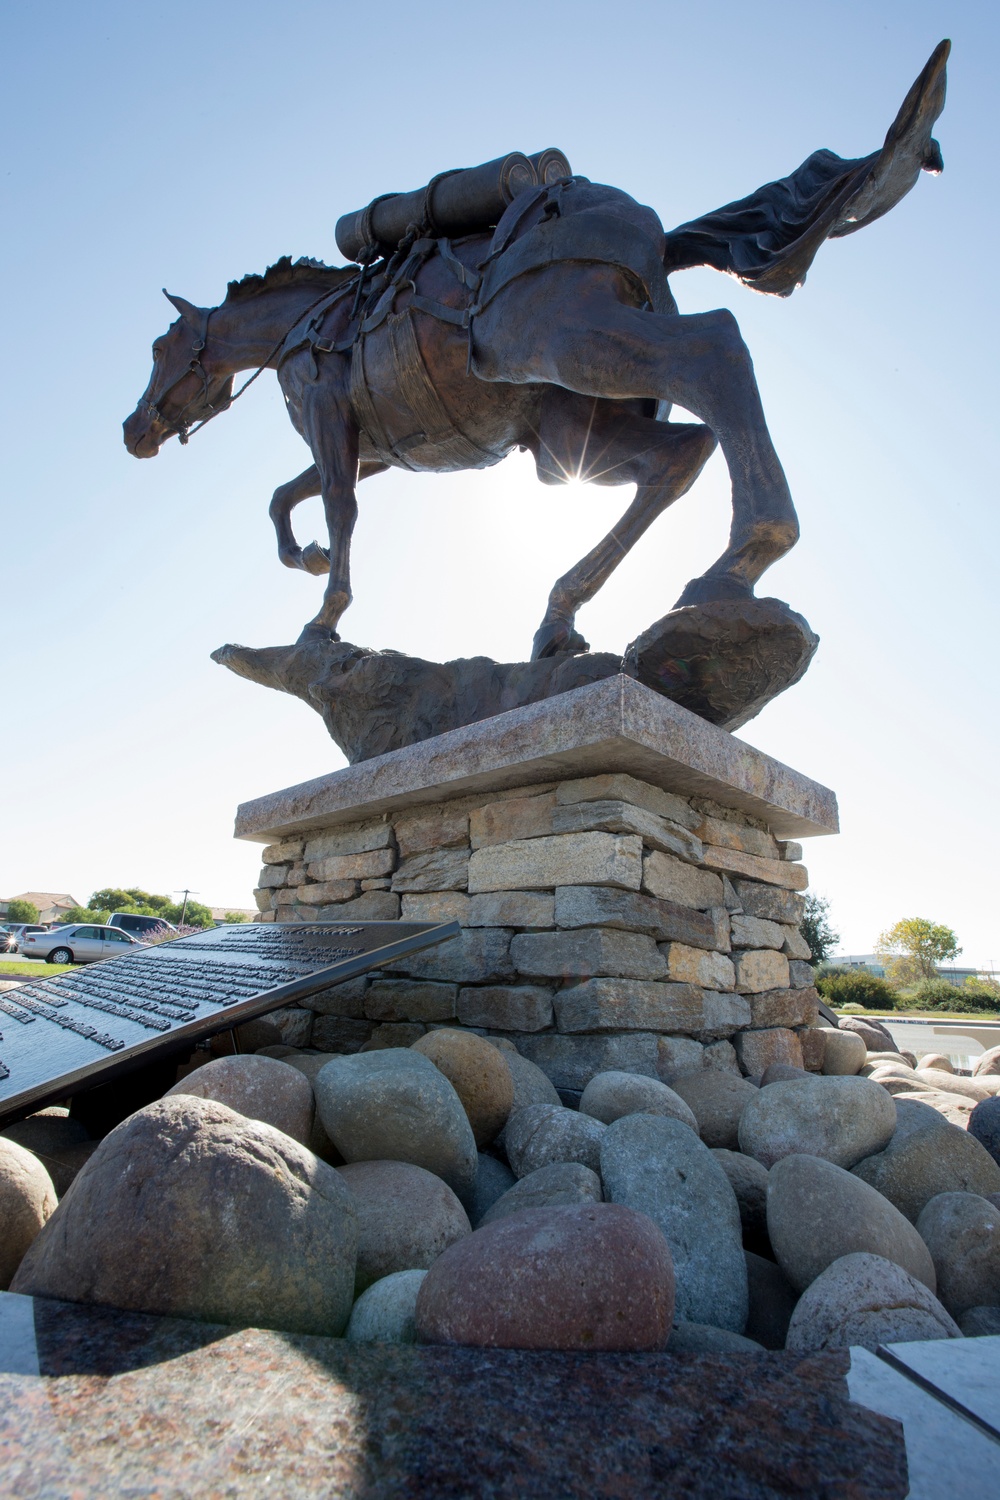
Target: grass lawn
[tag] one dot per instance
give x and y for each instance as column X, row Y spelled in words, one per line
column 36, row 969
column 923, row 1015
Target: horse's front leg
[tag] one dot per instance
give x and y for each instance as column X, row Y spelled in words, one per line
column 284, row 500
column 334, row 441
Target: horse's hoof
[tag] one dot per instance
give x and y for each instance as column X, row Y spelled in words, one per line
column 557, row 638
column 313, row 634
column 315, row 559
column 713, row 591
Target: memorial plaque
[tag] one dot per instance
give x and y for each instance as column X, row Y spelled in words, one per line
column 60, row 1035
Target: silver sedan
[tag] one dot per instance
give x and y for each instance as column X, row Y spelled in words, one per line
column 78, row 943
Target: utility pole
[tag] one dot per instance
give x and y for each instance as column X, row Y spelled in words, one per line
column 185, row 893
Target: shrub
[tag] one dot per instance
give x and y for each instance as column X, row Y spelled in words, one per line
column 857, row 987
column 939, row 994
column 21, row 911
column 987, row 990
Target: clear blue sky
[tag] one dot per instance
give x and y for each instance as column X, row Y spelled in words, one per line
column 182, row 145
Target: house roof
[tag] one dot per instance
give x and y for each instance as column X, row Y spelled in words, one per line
column 44, row 899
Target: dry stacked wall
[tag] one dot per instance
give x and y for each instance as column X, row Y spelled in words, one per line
column 605, row 924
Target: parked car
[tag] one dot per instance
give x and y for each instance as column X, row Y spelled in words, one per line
column 78, row 943
column 20, row 930
column 130, row 921
column 8, row 941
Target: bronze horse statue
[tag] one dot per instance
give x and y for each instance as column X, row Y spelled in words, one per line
column 555, row 332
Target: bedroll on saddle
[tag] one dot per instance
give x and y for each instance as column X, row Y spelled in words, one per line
column 463, row 201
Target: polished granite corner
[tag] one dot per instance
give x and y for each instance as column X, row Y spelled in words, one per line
column 157, row 1408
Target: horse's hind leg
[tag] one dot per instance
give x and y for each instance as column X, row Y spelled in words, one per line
column 603, row 442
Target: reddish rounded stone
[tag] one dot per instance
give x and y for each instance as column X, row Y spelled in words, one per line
column 591, row 1276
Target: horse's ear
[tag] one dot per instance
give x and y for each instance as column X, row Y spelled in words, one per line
column 187, row 310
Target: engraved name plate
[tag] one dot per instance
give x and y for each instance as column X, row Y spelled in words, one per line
column 60, row 1035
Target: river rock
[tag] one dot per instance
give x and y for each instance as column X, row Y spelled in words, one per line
column 962, row 1232
column 27, row 1201
column 782, row 1073
column 50, row 1130
column 545, row 1133
column 407, row 1217
column 987, row 1063
column 385, row 1313
column 844, row 1052
column 610, row 1095
column 595, row 1276
column 702, row 1338
column 840, row 1119
column 984, row 1124
column 876, row 1037
column 561, row 1182
column 817, row 1213
column 927, row 1156
column 493, row 1178
column 748, row 1180
column 262, row 1088
column 395, row 1105
column 867, row 1300
column 64, row 1165
column 531, row 1085
column 190, row 1210
column 935, row 1060
column 478, row 1073
column 717, row 1100
column 980, row 1322
column 985, row 1087
column 661, row 1168
column 772, row 1301
column 952, row 1107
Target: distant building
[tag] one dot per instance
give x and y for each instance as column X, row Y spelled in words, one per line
column 51, row 904
column 220, row 913
column 870, row 961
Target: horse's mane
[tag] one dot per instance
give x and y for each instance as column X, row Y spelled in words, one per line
column 286, row 272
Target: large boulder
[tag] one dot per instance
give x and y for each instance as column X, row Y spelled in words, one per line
column 385, row 1313
column 988, row 1063
column 962, row 1232
column 27, row 1201
column 987, row 1086
column 841, row 1119
column 395, row 1105
column 188, row 1209
column 47, row 1131
column 596, row 1276
column 545, row 1133
column 493, row 1179
column 610, row 1095
column 980, row 1322
column 817, row 1213
column 772, row 1301
column 936, row 1060
column 262, row 1088
column 748, row 1180
column 844, row 1052
column 703, row 1338
column 867, row 1300
column 560, row 1183
column 478, row 1073
column 876, row 1037
column 407, row 1217
column 662, row 1169
column 984, row 1124
column 926, row 1156
column 531, row 1084
column 717, row 1100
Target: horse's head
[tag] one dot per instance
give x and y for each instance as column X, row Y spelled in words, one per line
column 183, row 388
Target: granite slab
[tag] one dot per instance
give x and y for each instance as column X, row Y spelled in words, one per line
column 127, row 1405
column 610, row 726
column 965, row 1372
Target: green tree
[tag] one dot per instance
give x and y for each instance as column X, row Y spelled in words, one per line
column 112, row 899
column 235, row 916
column 84, row 914
column 912, row 948
column 21, row 911
column 195, row 916
column 815, row 928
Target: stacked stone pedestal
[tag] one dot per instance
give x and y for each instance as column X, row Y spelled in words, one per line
column 609, row 919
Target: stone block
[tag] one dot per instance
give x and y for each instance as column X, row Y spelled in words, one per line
column 586, row 952
column 370, row 906
column 629, row 1005
column 565, row 859
column 353, row 866
column 724, row 834
column 506, row 1007
column 272, row 877
column 377, row 883
column 436, row 906
column 769, row 902
column 288, row 913
column 672, row 879
column 323, row 892
column 515, row 818
column 772, row 871
column 789, row 849
column 410, row 1000
column 605, row 906
column 679, row 1057
column 477, row 955
column 722, row 1056
column 572, row 1061
column 352, row 838
column 622, row 817
column 620, row 787
column 757, row 1050
column 800, row 974
column 730, row 900
column 263, row 899
column 722, row 938
column 759, row 969
column 287, row 852
column 394, row 1034
column 489, row 909
column 433, row 870
column 794, row 945
column 813, row 1044
column 294, row 1023
column 755, row 932
column 439, row 827
column 340, row 1033
column 686, row 965
column 795, row 1007
column 722, row 1014
column 296, row 875
column 264, row 916
column 345, row 999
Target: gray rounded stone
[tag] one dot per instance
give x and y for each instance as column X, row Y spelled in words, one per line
column 717, row 1100
column 980, row 1322
column 608, row 1096
column 818, row 1213
column 544, row 1133
column 561, row 1182
column 188, row 1209
column 985, row 1087
column 772, row 1301
column 531, row 1084
column 702, row 1338
column 493, row 1179
column 927, row 1155
column 841, row 1119
column 661, row 1168
column 47, row 1131
column 27, row 1201
column 748, row 1180
column 866, row 1300
column 962, row 1232
column 876, row 1037
column 782, row 1073
column 936, row 1060
column 407, row 1217
column 988, row 1062
column 384, row 1314
column 395, row 1105
column 984, row 1124
column 262, row 1088
column 844, row 1053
